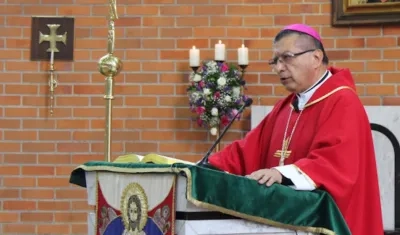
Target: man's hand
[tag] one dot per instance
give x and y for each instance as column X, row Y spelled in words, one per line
column 266, row 176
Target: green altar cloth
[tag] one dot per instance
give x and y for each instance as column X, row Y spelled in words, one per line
column 278, row 206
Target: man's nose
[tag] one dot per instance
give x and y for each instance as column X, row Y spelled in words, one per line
column 279, row 66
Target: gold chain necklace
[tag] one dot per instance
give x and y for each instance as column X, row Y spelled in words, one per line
column 285, row 143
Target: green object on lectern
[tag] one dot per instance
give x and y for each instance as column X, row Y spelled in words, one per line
column 278, row 206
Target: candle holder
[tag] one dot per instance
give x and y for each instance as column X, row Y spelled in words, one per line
column 195, row 68
column 243, row 68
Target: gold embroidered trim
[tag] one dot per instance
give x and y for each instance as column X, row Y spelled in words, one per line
column 96, row 208
column 173, row 212
column 208, row 206
column 306, row 176
column 325, row 96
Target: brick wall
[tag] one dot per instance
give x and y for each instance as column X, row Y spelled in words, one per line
column 38, row 152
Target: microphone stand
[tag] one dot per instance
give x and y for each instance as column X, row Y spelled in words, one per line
column 204, row 162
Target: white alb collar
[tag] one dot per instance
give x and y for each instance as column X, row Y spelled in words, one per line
column 305, row 96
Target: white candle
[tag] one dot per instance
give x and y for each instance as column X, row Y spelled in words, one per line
column 52, row 57
column 194, row 55
column 243, row 55
column 219, row 51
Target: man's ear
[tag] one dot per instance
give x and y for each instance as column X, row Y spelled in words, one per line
column 318, row 56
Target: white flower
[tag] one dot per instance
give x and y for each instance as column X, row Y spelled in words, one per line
column 236, row 91
column 221, row 81
column 213, row 121
column 197, row 78
column 214, row 111
column 195, row 96
column 227, row 98
column 212, row 67
column 206, row 91
column 212, row 63
column 213, row 131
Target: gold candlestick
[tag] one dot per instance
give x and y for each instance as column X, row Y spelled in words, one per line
column 109, row 66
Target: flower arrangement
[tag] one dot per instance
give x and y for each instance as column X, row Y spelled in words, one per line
column 216, row 94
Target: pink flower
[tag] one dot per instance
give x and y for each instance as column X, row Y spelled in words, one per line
column 199, row 122
column 200, row 110
column 224, row 120
column 217, row 95
column 201, row 84
column 234, row 112
column 224, row 68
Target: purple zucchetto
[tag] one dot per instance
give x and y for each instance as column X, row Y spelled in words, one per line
column 304, row 29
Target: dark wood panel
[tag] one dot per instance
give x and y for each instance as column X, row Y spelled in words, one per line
column 40, row 26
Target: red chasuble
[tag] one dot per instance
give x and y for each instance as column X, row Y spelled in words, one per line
column 332, row 146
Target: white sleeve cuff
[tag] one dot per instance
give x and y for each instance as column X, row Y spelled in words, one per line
column 300, row 180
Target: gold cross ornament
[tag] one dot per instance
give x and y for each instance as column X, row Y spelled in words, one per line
column 53, row 38
column 285, row 152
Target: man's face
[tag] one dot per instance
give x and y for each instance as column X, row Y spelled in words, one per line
column 294, row 69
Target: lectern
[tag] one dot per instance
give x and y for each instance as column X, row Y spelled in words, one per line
column 185, row 199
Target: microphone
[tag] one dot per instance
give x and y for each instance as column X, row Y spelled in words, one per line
column 204, row 160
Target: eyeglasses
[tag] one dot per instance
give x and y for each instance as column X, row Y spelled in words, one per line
column 286, row 57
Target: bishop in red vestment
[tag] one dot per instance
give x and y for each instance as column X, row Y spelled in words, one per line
column 317, row 137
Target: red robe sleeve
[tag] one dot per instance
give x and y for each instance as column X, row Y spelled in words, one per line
column 245, row 156
column 341, row 147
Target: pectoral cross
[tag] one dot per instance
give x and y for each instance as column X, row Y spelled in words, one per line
column 284, row 151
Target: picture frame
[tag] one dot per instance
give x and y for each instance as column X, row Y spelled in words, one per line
column 365, row 12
